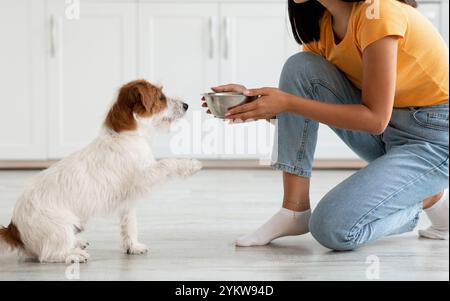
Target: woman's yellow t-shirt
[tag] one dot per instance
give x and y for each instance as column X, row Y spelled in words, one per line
column 423, row 56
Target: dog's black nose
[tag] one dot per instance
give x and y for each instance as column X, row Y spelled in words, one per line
column 185, row 106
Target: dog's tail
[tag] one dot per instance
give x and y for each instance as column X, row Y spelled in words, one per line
column 10, row 239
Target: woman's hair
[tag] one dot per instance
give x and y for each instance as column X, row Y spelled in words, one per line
column 305, row 18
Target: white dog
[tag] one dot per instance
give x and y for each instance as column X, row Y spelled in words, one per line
column 106, row 177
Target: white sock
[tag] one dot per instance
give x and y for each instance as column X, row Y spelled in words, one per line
column 438, row 215
column 284, row 223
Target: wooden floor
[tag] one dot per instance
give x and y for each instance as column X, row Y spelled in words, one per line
column 190, row 227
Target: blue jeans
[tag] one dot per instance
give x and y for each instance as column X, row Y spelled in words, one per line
column 407, row 163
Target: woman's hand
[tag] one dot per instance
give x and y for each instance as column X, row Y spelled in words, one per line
column 225, row 88
column 271, row 101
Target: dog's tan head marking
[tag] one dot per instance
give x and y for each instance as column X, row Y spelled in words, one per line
column 139, row 98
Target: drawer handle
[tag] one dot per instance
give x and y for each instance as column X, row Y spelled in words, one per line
column 52, row 36
column 226, row 44
column 211, row 37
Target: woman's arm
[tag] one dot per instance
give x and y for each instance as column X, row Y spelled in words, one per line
column 373, row 115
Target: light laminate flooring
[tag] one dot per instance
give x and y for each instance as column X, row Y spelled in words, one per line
column 190, row 226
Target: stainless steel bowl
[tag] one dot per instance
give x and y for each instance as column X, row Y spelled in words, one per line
column 220, row 103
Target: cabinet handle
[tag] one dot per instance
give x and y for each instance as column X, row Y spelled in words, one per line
column 226, row 44
column 52, row 36
column 211, row 37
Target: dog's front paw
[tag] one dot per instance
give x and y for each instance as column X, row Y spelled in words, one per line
column 188, row 167
column 136, row 249
column 77, row 255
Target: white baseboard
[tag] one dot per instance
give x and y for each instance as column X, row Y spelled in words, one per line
column 209, row 164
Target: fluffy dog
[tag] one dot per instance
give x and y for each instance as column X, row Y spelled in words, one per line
column 106, row 177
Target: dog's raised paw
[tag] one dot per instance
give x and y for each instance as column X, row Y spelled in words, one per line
column 196, row 165
column 188, row 167
column 137, row 249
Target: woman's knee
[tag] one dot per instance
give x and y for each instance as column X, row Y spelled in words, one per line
column 299, row 68
column 327, row 228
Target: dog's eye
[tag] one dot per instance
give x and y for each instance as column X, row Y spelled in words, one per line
column 162, row 98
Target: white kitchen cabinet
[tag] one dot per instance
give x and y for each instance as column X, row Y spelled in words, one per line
column 437, row 13
column 178, row 48
column 88, row 59
column 329, row 146
column 254, row 45
column 58, row 75
column 185, row 46
column 256, row 42
column 22, row 80
column 432, row 12
column 444, row 15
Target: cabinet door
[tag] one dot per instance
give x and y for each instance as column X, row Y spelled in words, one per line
column 178, row 50
column 432, row 12
column 22, row 80
column 445, row 19
column 89, row 59
column 255, row 42
column 437, row 13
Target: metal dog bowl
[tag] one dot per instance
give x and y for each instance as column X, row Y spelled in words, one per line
column 220, row 103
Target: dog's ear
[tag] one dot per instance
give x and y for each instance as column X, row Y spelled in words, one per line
column 135, row 98
column 121, row 115
column 145, row 96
